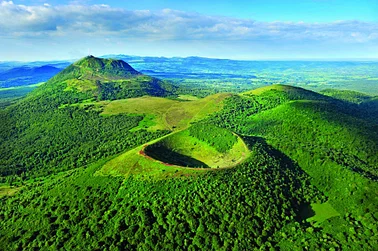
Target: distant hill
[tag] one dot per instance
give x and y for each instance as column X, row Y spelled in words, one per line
column 287, row 91
column 347, row 95
column 26, row 75
column 366, row 106
column 25, row 71
column 99, row 68
column 200, row 73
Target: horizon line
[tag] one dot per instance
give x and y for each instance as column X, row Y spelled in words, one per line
column 215, row 58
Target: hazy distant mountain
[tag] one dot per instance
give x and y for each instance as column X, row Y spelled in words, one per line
column 26, row 75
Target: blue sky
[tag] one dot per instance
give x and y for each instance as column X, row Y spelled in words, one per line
column 263, row 10
column 255, row 29
column 273, row 10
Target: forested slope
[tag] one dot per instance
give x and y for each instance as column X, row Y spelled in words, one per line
column 43, row 133
column 329, row 141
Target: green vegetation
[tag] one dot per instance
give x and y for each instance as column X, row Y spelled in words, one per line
column 8, row 190
column 187, row 97
column 201, row 77
column 322, row 212
column 11, row 95
column 367, row 105
column 332, row 143
column 135, row 163
column 165, row 113
column 171, row 155
column 350, row 96
column 41, row 135
column 222, row 140
column 232, row 208
column 185, row 149
column 88, row 161
column 62, row 139
column 104, row 79
column 90, row 68
column 135, row 87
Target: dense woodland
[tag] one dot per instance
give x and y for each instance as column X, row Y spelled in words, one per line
column 330, row 142
column 231, row 209
column 138, row 87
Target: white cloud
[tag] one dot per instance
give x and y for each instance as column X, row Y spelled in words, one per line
column 44, row 20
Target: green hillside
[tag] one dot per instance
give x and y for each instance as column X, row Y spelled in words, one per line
column 43, row 133
column 346, row 95
column 331, row 143
column 367, row 105
column 88, row 162
column 160, row 113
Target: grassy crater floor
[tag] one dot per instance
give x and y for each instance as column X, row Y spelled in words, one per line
column 156, row 163
column 181, row 149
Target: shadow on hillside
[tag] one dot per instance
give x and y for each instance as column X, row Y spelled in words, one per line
column 301, row 205
column 306, row 212
column 283, row 158
column 170, row 157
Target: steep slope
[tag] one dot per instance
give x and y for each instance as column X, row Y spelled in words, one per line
column 323, row 122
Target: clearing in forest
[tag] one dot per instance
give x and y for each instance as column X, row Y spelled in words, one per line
column 163, row 113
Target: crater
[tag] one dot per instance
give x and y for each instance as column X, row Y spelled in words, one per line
column 200, row 146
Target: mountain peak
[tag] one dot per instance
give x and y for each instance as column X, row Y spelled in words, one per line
column 106, row 66
column 104, row 79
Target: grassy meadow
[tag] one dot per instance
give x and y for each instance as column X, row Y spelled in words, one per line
column 165, row 113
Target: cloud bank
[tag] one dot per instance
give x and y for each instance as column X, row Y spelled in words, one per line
column 18, row 21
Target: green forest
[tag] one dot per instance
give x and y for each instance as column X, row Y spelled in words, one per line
column 301, row 168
